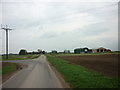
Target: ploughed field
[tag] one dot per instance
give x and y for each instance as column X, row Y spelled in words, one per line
column 106, row 64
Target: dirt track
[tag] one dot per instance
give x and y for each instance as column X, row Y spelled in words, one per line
column 106, row 64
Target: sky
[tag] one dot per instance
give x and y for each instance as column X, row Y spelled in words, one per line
column 59, row 24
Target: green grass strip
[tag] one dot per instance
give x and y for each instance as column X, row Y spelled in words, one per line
column 20, row 57
column 8, row 69
column 80, row 77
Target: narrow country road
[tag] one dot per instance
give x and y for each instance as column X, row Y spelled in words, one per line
column 38, row 74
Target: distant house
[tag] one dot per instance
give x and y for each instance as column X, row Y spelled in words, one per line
column 54, row 51
column 101, row 49
column 82, row 50
column 61, row 52
column 66, row 51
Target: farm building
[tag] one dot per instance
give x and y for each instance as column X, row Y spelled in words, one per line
column 101, row 49
column 66, row 51
column 54, row 51
column 82, row 50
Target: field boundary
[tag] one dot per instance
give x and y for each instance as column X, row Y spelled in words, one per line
column 10, row 75
column 80, row 77
column 59, row 75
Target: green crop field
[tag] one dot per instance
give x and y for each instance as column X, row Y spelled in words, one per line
column 19, row 57
column 80, row 77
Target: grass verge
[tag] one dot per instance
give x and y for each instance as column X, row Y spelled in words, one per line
column 80, row 77
column 7, row 68
column 20, row 57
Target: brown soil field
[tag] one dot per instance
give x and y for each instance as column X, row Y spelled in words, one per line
column 106, row 64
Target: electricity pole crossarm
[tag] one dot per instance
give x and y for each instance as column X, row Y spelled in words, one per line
column 6, row 29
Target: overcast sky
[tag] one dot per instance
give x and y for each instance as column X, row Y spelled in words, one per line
column 60, row 24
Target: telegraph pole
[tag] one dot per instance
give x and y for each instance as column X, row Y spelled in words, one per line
column 6, row 29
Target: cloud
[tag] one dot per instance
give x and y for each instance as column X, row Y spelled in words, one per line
column 60, row 1
column 51, row 25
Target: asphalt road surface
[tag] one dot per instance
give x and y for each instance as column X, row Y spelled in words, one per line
column 38, row 74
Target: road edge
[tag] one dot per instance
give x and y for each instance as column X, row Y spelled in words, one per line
column 59, row 75
column 12, row 74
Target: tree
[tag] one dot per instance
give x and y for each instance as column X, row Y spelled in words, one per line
column 33, row 52
column 43, row 52
column 39, row 51
column 23, row 52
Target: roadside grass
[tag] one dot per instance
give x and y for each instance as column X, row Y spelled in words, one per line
column 80, row 77
column 10, row 67
column 19, row 57
column 72, row 54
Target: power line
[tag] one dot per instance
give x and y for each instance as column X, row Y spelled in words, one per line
column 7, row 30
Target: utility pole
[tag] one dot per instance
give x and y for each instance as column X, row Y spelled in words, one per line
column 6, row 29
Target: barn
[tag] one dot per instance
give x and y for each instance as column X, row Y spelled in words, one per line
column 81, row 50
column 101, row 49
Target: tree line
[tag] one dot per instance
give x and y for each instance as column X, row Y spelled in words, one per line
column 24, row 52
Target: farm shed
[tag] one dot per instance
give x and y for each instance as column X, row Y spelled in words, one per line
column 66, row 51
column 81, row 50
column 54, row 51
column 101, row 49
